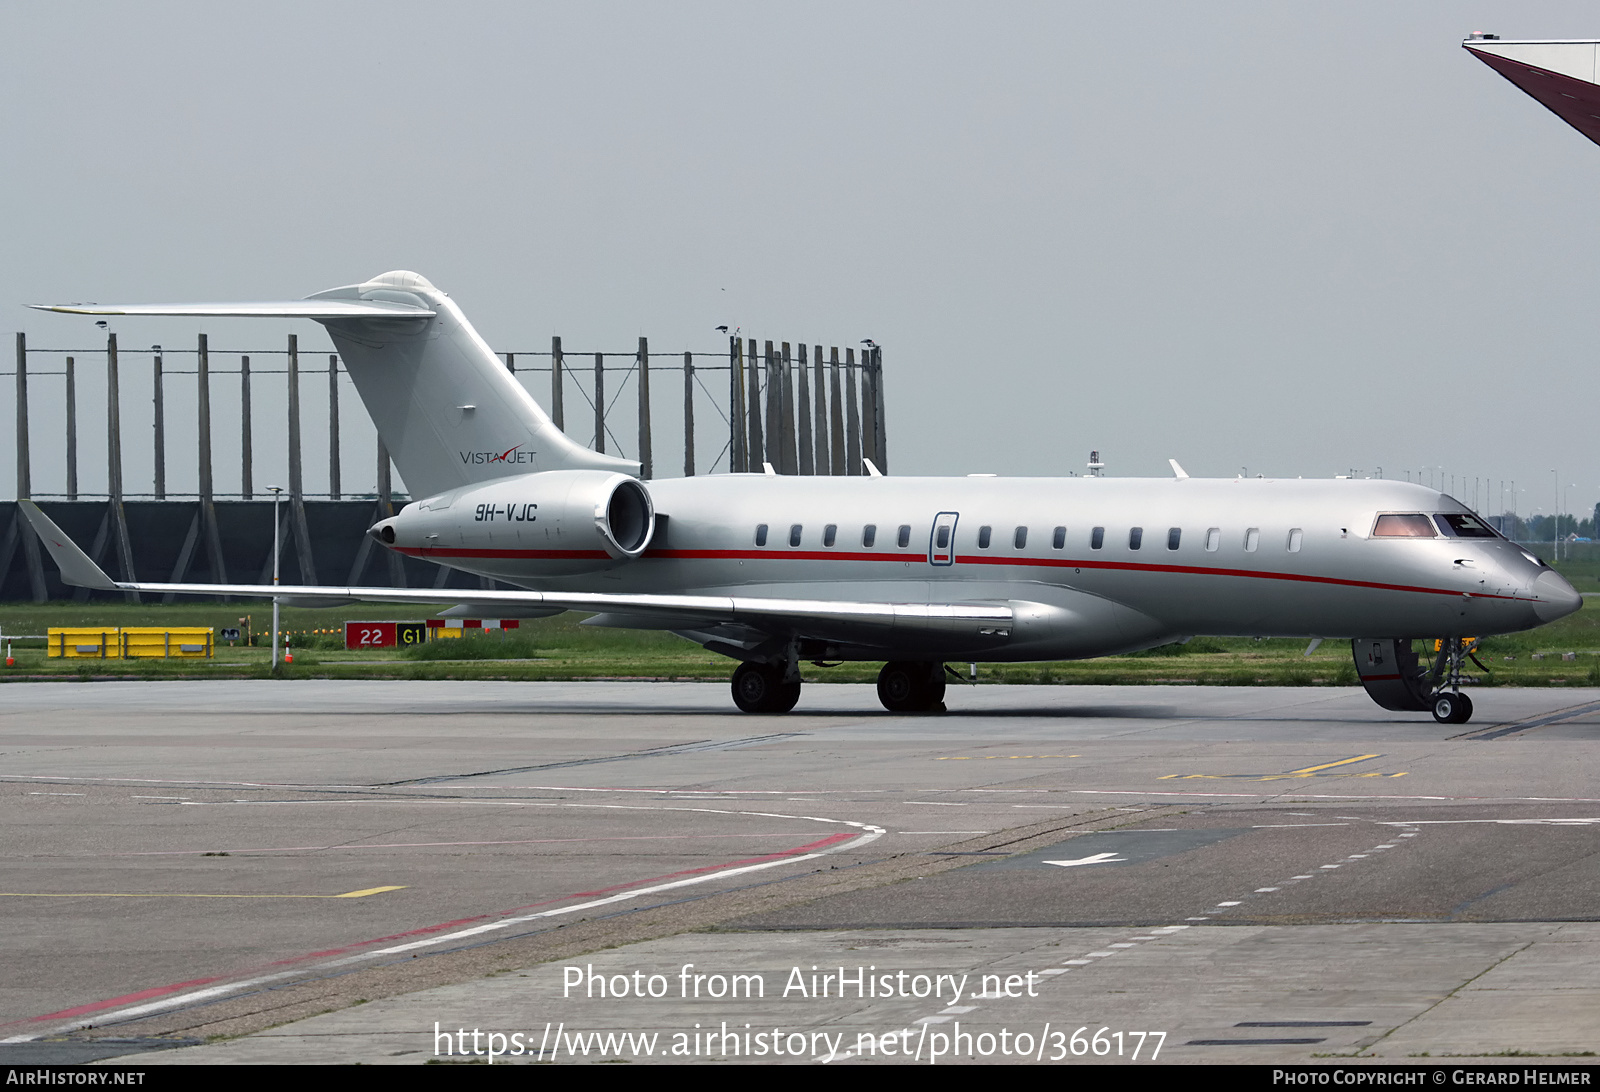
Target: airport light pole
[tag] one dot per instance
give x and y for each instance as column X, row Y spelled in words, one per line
column 277, row 495
column 1555, row 526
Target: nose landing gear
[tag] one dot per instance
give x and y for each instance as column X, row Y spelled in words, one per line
column 1451, row 708
column 1395, row 677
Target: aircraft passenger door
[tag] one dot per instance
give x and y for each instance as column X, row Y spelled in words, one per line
column 942, row 542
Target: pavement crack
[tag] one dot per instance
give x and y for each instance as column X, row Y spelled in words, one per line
column 1418, row 1016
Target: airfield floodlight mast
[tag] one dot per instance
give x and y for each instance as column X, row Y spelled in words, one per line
column 775, row 570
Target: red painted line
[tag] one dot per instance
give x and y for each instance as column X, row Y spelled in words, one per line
column 125, row 999
column 162, row 991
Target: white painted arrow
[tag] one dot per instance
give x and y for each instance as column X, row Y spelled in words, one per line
column 1098, row 858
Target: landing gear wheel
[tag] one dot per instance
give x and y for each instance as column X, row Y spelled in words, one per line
column 1452, row 708
column 908, row 686
column 759, row 688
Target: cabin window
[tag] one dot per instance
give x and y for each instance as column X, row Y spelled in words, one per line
column 761, row 534
column 1020, row 538
column 1460, row 525
column 1295, row 535
column 941, row 536
column 1174, row 536
column 829, row 534
column 1252, row 539
column 1213, row 539
column 1135, row 537
column 1405, row 526
column 983, row 537
column 1060, row 539
column 1097, row 538
column 794, row 534
column 869, row 535
column 904, row 538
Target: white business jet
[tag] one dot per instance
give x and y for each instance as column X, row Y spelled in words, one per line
column 772, row 571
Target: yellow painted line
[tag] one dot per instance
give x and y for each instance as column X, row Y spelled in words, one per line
column 1331, row 765
column 182, row 895
column 979, row 758
column 361, row 894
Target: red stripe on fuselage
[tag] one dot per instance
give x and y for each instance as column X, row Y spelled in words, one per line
column 784, row 554
column 529, row 555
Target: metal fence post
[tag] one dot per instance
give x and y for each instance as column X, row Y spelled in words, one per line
column 247, row 485
column 297, row 497
column 646, row 469
column 755, row 447
column 852, row 425
column 333, row 427
column 738, row 458
column 688, row 415
column 24, row 531
column 558, row 412
column 159, row 424
column 119, row 517
column 72, row 429
column 802, row 406
column 600, row 402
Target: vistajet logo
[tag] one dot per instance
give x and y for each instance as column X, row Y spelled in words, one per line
column 514, row 455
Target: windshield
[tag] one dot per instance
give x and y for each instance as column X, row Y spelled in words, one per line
column 1409, row 525
column 1461, row 525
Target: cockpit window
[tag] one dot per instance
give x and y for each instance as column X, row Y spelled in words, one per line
column 1406, row 526
column 1460, row 525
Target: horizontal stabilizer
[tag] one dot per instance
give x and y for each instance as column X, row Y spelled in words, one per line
column 443, row 401
column 310, row 309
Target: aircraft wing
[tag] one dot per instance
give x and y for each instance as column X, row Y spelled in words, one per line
column 818, row 617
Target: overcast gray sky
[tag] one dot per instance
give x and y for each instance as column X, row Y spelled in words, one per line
column 1290, row 237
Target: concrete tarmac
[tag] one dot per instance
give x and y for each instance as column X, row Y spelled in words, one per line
column 1220, row 874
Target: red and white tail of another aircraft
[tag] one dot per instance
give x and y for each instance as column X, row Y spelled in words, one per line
column 772, row 571
column 1562, row 74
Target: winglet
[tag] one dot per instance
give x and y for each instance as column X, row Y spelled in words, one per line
column 1178, row 471
column 76, row 568
column 872, row 468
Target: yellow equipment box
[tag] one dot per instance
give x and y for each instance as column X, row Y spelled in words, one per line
column 131, row 642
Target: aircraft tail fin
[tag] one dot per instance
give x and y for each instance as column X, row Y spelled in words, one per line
column 447, row 409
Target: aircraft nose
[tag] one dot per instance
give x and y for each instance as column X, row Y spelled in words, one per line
column 1554, row 597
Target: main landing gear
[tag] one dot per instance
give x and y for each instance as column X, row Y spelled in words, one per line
column 904, row 686
column 760, row 688
column 1396, row 678
column 910, row 686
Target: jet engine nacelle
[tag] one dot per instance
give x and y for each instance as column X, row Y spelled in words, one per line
column 549, row 524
